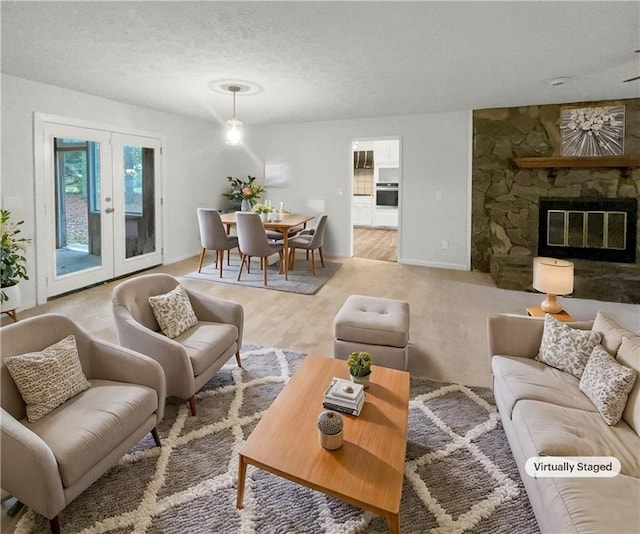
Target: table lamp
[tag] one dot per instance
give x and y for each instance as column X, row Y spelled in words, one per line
column 553, row 277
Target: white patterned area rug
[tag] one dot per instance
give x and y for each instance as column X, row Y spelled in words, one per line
column 459, row 474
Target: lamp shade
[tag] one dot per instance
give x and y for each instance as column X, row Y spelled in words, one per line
column 551, row 276
column 233, row 134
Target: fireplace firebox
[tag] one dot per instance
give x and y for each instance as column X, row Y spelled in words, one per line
column 602, row 229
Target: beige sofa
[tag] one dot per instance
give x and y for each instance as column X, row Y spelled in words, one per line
column 49, row 462
column 545, row 414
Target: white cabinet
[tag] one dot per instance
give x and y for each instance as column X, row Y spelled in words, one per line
column 362, row 207
column 387, row 153
column 385, row 217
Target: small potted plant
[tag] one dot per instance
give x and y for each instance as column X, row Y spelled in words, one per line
column 263, row 210
column 12, row 261
column 359, row 364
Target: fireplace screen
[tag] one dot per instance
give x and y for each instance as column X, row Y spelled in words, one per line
column 599, row 229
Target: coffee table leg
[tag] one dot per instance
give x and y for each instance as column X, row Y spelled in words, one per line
column 394, row 524
column 242, row 473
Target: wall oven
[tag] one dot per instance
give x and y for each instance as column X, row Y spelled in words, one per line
column 387, row 195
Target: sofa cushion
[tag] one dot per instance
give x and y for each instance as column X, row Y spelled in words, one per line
column 560, row 431
column 599, row 505
column 49, row 377
column 525, row 378
column 566, row 348
column 607, row 383
column 173, row 311
column 90, row 425
column 612, row 332
column 206, row 342
column 629, row 355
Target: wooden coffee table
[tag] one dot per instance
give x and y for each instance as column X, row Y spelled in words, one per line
column 367, row 471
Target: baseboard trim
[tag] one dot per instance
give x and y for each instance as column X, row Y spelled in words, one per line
column 435, row 264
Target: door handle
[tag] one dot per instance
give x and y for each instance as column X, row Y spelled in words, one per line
column 108, row 210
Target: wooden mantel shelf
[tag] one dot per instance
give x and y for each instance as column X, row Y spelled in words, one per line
column 624, row 163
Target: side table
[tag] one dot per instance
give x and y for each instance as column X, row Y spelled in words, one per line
column 537, row 311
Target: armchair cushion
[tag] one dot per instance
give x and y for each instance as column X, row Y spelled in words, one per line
column 88, row 427
column 207, row 342
column 173, row 311
column 49, row 377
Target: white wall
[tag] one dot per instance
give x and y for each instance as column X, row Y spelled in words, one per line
column 435, row 159
column 194, row 160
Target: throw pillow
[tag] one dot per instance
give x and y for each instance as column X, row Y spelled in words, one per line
column 607, row 384
column 566, row 348
column 174, row 312
column 612, row 332
column 48, row 378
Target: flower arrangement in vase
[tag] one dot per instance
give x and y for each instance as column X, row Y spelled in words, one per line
column 359, row 364
column 244, row 191
column 12, row 260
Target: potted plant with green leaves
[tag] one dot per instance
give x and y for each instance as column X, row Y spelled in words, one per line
column 13, row 263
column 244, row 193
column 359, row 364
column 263, row 210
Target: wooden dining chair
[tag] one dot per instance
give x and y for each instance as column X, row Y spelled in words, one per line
column 214, row 237
column 253, row 241
column 309, row 242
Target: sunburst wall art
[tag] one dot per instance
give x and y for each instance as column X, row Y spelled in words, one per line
column 593, row 131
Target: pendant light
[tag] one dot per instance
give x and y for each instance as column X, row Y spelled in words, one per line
column 233, row 134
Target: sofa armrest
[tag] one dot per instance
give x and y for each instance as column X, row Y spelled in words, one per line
column 112, row 362
column 213, row 309
column 29, row 468
column 514, row 335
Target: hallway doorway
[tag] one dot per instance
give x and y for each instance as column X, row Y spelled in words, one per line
column 376, row 184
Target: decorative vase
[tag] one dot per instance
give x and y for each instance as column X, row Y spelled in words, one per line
column 364, row 380
column 245, row 205
column 14, row 298
column 264, row 217
column 330, row 430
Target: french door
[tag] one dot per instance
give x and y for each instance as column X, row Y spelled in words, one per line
column 102, row 205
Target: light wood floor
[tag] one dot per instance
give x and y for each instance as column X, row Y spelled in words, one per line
column 449, row 312
column 375, row 244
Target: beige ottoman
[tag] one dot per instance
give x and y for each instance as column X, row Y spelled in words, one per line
column 375, row 325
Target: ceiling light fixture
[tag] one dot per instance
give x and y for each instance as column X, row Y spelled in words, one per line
column 233, row 134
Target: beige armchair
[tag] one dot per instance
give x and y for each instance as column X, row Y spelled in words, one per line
column 48, row 463
column 193, row 357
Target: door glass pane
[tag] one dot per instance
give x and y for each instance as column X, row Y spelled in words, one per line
column 78, row 225
column 139, row 200
column 576, row 229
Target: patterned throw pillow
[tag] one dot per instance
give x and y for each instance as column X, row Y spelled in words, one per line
column 48, row 378
column 607, row 384
column 174, row 312
column 566, row 348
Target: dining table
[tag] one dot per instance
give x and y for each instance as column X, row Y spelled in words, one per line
column 283, row 225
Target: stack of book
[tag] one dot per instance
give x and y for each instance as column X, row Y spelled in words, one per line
column 344, row 396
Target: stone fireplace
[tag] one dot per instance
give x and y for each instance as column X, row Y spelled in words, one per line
column 584, row 213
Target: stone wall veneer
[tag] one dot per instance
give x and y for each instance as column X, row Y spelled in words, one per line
column 505, row 198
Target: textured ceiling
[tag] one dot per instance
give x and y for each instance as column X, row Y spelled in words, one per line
column 326, row 60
